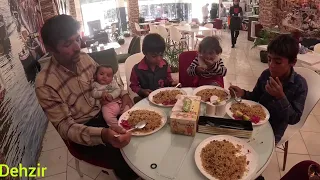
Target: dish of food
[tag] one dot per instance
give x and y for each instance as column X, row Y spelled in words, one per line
column 249, row 111
column 155, row 119
column 165, row 97
column 205, row 92
column 226, row 158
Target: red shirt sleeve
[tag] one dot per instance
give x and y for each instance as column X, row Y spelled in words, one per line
column 134, row 81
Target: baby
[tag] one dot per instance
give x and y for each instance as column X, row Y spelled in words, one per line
column 107, row 89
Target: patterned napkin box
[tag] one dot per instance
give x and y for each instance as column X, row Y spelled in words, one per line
column 185, row 114
column 222, row 126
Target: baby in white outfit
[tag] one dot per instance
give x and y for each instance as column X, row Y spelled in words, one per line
column 106, row 88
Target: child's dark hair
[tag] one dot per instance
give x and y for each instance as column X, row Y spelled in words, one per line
column 98, row 68
column 153, row 43
column 285, row 46
column 210, row 44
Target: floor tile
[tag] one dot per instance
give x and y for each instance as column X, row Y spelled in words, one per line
column 72, row 174
column 248, row 87
column 103, row 176
column 87, row 169
column 50, row 127
column 244, row 71
column 55, row 160
column 315, row 159
column 296, row 145
column 292, row 159
column 257, row 73
column 312, row 124
column 316, row 110
column 62, row 176
column 70, row 157
column 272, row 172
column 246, row 79
column 312, row 142
column 52, row 140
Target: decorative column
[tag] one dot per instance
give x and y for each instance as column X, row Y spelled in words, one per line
column 267, row 13
column 133, row 15
column 48, row 9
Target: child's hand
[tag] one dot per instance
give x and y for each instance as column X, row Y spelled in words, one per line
column 146, row 92
column 109, row 97
column 200, row 70
column 239, row 92
column 274, row 88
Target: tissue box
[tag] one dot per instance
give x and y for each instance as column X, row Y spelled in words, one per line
column 185, row 121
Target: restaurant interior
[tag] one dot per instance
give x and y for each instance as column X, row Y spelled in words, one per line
column 112, row 32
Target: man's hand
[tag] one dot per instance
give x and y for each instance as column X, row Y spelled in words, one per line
column 274, row 88
column 239, row 92
column 107, row 136
column 126, row 101
column 200, row 70
column 146, row 92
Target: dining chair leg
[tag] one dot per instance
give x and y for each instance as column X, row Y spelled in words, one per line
column 78, row 167
column 286, row 146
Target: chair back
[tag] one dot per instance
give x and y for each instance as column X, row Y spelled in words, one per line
column 131, row 43
column 217, row 24
column 106, row 57
column 317, row 48
column 130, row 62
column 135, row 46
column 175, row 34
column 137, row 26
column 94, row 26
column 163, row 32
column 313, row 96
column 153, row 28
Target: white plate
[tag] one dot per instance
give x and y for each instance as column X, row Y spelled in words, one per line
column 126, row 115
column 249, row 103
column 153, row 93
column 247, row 150
column 195, row 91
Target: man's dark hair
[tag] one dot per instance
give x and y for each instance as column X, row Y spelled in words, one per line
column 285, row 46
column 60, row 27
column 153, row 43
column 210, row 44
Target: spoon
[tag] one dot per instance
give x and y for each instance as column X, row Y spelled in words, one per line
column 178, row 85
column 140, row 125
column 237, row 99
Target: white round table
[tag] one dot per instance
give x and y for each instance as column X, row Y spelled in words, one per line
column 143, row 151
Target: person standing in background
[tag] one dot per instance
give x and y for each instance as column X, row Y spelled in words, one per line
column 236, row 14
column 213, row 11
column 205, row 12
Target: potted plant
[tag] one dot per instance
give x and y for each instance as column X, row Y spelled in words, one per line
column 171, row 54
column 263, row 38
column 126, row 34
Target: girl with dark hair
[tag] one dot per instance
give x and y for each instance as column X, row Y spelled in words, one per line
column 235, row 21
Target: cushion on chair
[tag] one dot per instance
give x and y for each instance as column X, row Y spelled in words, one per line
column 131, row 43
column 136, row 46
column 122, row 57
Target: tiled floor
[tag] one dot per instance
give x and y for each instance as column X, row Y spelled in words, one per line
column 244, row 68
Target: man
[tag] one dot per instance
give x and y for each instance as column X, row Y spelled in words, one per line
column 280, row 89
column 205, row 12
column 63, row 89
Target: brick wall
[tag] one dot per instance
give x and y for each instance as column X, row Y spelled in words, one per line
column 48, row 9
column 133, row 15
column 268, row 13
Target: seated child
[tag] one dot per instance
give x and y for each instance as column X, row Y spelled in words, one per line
column 106, row 88
column 279, row 88
column 152, row 72
column 208, row 66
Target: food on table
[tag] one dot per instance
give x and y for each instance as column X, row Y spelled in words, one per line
column 221, row 160
column 166, row 97
column 242, row 111
column 207, row 93
column 152, row 118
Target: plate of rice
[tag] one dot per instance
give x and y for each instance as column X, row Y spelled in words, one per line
column 155, row 119
column 205, row 92
column 248, row 110
column 165, row 97
column 225, row 157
